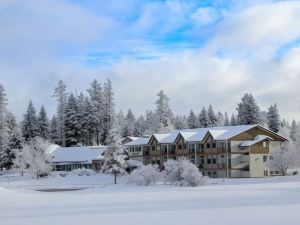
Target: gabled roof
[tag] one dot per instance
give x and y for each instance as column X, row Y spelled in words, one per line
column 256, row 140
column 139, row 141
column 77, row 154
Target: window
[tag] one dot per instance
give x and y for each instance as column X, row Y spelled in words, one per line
column 265, row 172
column 179, row 147
column 214, row 159
column 214, row 174
column 208, row 145
column 265, row 158
column 153, row 148
column 271, row 172
column 276, row 172
column 209, row 160
column 184, row 146
column 213, row 145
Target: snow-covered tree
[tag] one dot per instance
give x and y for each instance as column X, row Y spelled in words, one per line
column 4, row 128
column 233, row 120
column 283, row 159
column 163, row 114
column 273, row 118
column 120, row 122
column 109, row 112
column 203, row 118
column 263, row 118
column 43, row 124
column 129, row 124
column 192, row 121
column 53, row 130
column 248, row 110
column 72, row 126
column 15, row 143
column 61, row 96
column 145, row 175
column 140, row 126
column 183, row 172
column 115, row 155
column 29, row 123
column 150, row 121
column 221, row 120
column 293, row 130
column 180, row 122
column 99, row 109
column 226, row 119
column 213, row 119
column 33, row 157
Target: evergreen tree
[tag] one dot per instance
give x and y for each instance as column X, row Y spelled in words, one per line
column 203, row 119
column 213, row 119
column 163, row 114
column 43, row 124
column 150, row 122
column 120, row 122
column 72, row 127
column 293, row 130
column 248, row 110
column 53, row 130
column 226, row 119
column 83, row 120
column 140, row 126
column 233, row 120
column 180, row 122
column 129, row 124
column 61, row 96
column 109, row 113
column 90, row 119
column 4, row 127
column 273, row 118
column 29, row 124
column 98, row 110
column 192, row 120
column 220, row 120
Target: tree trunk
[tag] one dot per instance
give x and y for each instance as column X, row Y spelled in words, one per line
column 115, row 177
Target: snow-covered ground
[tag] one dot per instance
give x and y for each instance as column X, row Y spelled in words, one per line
column 235, row 201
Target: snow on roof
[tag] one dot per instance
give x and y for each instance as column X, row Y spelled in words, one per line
column 77, row 154
column 139, row 141
column 52, row 148
column 257, row 139
column 160, row 137
column 134, row 163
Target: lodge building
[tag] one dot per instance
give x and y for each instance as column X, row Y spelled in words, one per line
column 229, row 151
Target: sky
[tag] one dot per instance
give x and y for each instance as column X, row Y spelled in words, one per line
column 199, row 52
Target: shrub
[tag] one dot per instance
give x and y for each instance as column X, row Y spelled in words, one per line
column 84, row 172
column 183, row 172
column 145, row 175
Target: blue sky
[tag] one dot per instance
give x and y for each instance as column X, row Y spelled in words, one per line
column 199, row 52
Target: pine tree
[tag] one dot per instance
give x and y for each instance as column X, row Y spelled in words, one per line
column 53, row 130
column 180, row 122
column 90, row 119
column 129, row 125
column 203, row 119
column 43, row 124
column 213, row 120
column 233, row 120
column 72, row 126
column 61, row 96
column 248, row 110
column 140, row 126
column 97, row 110
column 192, row 120
column 83, row 120
column 4, row 127
column 163, row 114
column 220, row 120
column 109, row 113
column 293, row 130
column 226, row 119
column 29, row 124
column 273, row 118
column 115, row 155
column 120, row 122
column 151, row 123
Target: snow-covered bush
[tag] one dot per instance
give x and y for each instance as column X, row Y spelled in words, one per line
column 283, row 159
column 183, row 172
column 84, row 172
column 145, row 175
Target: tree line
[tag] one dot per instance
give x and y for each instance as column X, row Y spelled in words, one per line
column 87, row 119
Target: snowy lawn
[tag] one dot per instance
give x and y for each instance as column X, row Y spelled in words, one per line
column 237, row 201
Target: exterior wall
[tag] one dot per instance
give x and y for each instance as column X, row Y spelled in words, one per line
column 257, row 167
